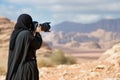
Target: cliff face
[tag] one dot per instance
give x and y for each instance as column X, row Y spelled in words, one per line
column 4, row 20
column 6, row 27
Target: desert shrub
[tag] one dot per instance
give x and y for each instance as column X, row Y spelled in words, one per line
column 70, row 60
column 44, row 62
column 56, row 58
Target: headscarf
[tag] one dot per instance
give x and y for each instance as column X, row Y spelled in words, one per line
column 24, row 22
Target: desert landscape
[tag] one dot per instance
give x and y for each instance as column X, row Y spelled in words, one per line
column 95, row 58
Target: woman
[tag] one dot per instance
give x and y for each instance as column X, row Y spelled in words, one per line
column 24, row 42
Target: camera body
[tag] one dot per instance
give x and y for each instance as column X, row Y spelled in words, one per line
column 44, row 26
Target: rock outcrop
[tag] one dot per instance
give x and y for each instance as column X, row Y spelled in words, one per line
column 106, row 68
column 6, row 27
column 4, row 20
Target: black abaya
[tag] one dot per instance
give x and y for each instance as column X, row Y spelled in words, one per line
column 22, row 58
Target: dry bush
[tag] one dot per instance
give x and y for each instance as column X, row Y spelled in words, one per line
column 43, row 62
column 56, row 58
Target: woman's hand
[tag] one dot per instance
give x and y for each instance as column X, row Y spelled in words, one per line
column 38, row 28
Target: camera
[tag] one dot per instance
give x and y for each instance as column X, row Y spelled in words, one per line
column 44, row 26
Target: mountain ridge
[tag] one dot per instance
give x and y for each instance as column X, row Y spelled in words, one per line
column 106, row 24
column 72, row 36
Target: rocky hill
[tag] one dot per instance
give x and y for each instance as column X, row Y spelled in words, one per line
column 6, row 27
column 105, row 39
column 103, row 31
column 4, row 20
column 106, row 68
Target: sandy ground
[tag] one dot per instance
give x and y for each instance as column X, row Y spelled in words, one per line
column 82, row 55
column 85, row 70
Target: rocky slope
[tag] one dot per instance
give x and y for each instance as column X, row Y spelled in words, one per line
column 106, row 68
column 6, row 27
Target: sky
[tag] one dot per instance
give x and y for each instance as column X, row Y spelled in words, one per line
column 56, row 11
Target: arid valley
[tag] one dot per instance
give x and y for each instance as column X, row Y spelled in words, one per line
column 92, row 63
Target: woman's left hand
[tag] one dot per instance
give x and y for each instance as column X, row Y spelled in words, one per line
column 38, row 29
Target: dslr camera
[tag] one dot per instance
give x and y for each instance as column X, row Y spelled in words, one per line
column 44, row 26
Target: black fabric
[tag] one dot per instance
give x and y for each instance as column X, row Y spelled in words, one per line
column 24, row 22
column 22, row 63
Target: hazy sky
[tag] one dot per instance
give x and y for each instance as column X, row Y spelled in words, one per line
column 56, row 11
